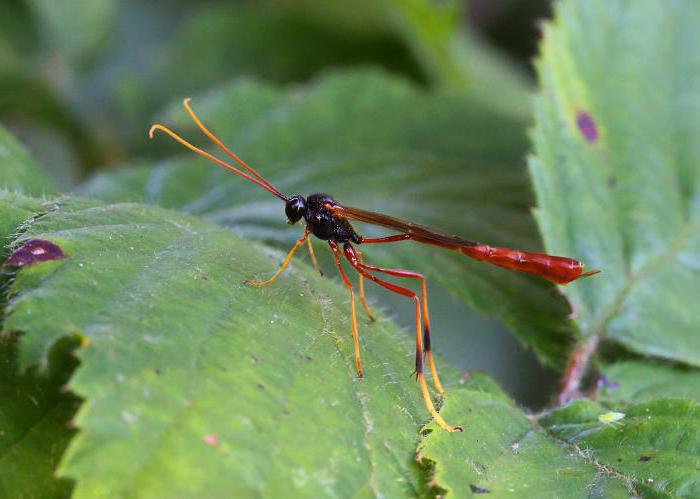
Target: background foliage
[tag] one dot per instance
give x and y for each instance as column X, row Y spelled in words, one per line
column 139, row 364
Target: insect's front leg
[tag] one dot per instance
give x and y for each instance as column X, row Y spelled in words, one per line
column 286, row 261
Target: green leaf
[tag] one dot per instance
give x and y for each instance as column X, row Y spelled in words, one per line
column 34, row 418
column 637, row 381
column 74, row 28
column 617, row 167
column 455, row 58
column 655, row 444
column 504, row 453
column 379, row 143
column 291, row 41
column 17, row 35
column 282, row 41
column 18, row 171
column 196, row 384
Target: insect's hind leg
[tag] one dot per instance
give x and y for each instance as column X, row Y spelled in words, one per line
column 426, row 317
column 362, row 290
column 348, row 284
column 351, row 256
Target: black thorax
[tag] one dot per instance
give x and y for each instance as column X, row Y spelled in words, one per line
column 323, row 224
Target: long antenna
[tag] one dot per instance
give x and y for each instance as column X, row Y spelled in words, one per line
column 206, row 132
column 258, row 179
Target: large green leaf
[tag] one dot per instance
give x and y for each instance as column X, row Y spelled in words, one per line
column 617, row 167
column 503, row 454
column 18, row 171
column 655, row 444
column 379, row 143
column 196, row 384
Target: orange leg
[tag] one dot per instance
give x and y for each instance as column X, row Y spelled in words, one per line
column 362, row 290
column 284, row 263
column 313, row 256
column 351, row 256
column 348, row 284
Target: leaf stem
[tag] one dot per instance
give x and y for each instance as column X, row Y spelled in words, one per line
column 576, row 368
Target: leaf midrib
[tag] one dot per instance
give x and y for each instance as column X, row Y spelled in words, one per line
column 652, row 265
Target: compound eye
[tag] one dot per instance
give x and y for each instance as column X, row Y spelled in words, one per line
column 294, row 209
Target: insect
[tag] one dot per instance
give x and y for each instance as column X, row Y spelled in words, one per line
column 612, row 418
column 329, row 221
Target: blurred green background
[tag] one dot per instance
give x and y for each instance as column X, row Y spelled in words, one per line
column 81, row 81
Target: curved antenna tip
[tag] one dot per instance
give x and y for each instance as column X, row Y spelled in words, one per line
column 152, row 131
column 186, row 101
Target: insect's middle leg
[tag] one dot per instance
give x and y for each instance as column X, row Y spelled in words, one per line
column 348, row 284
column 313, row 256
column 424, row 298
column 351, row 256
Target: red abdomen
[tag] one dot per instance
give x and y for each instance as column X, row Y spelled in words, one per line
column 558, row 269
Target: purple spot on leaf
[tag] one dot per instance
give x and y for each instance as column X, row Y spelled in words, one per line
column 478, row 490
column 34, row 250
column 604, row 382
column 587, row 126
